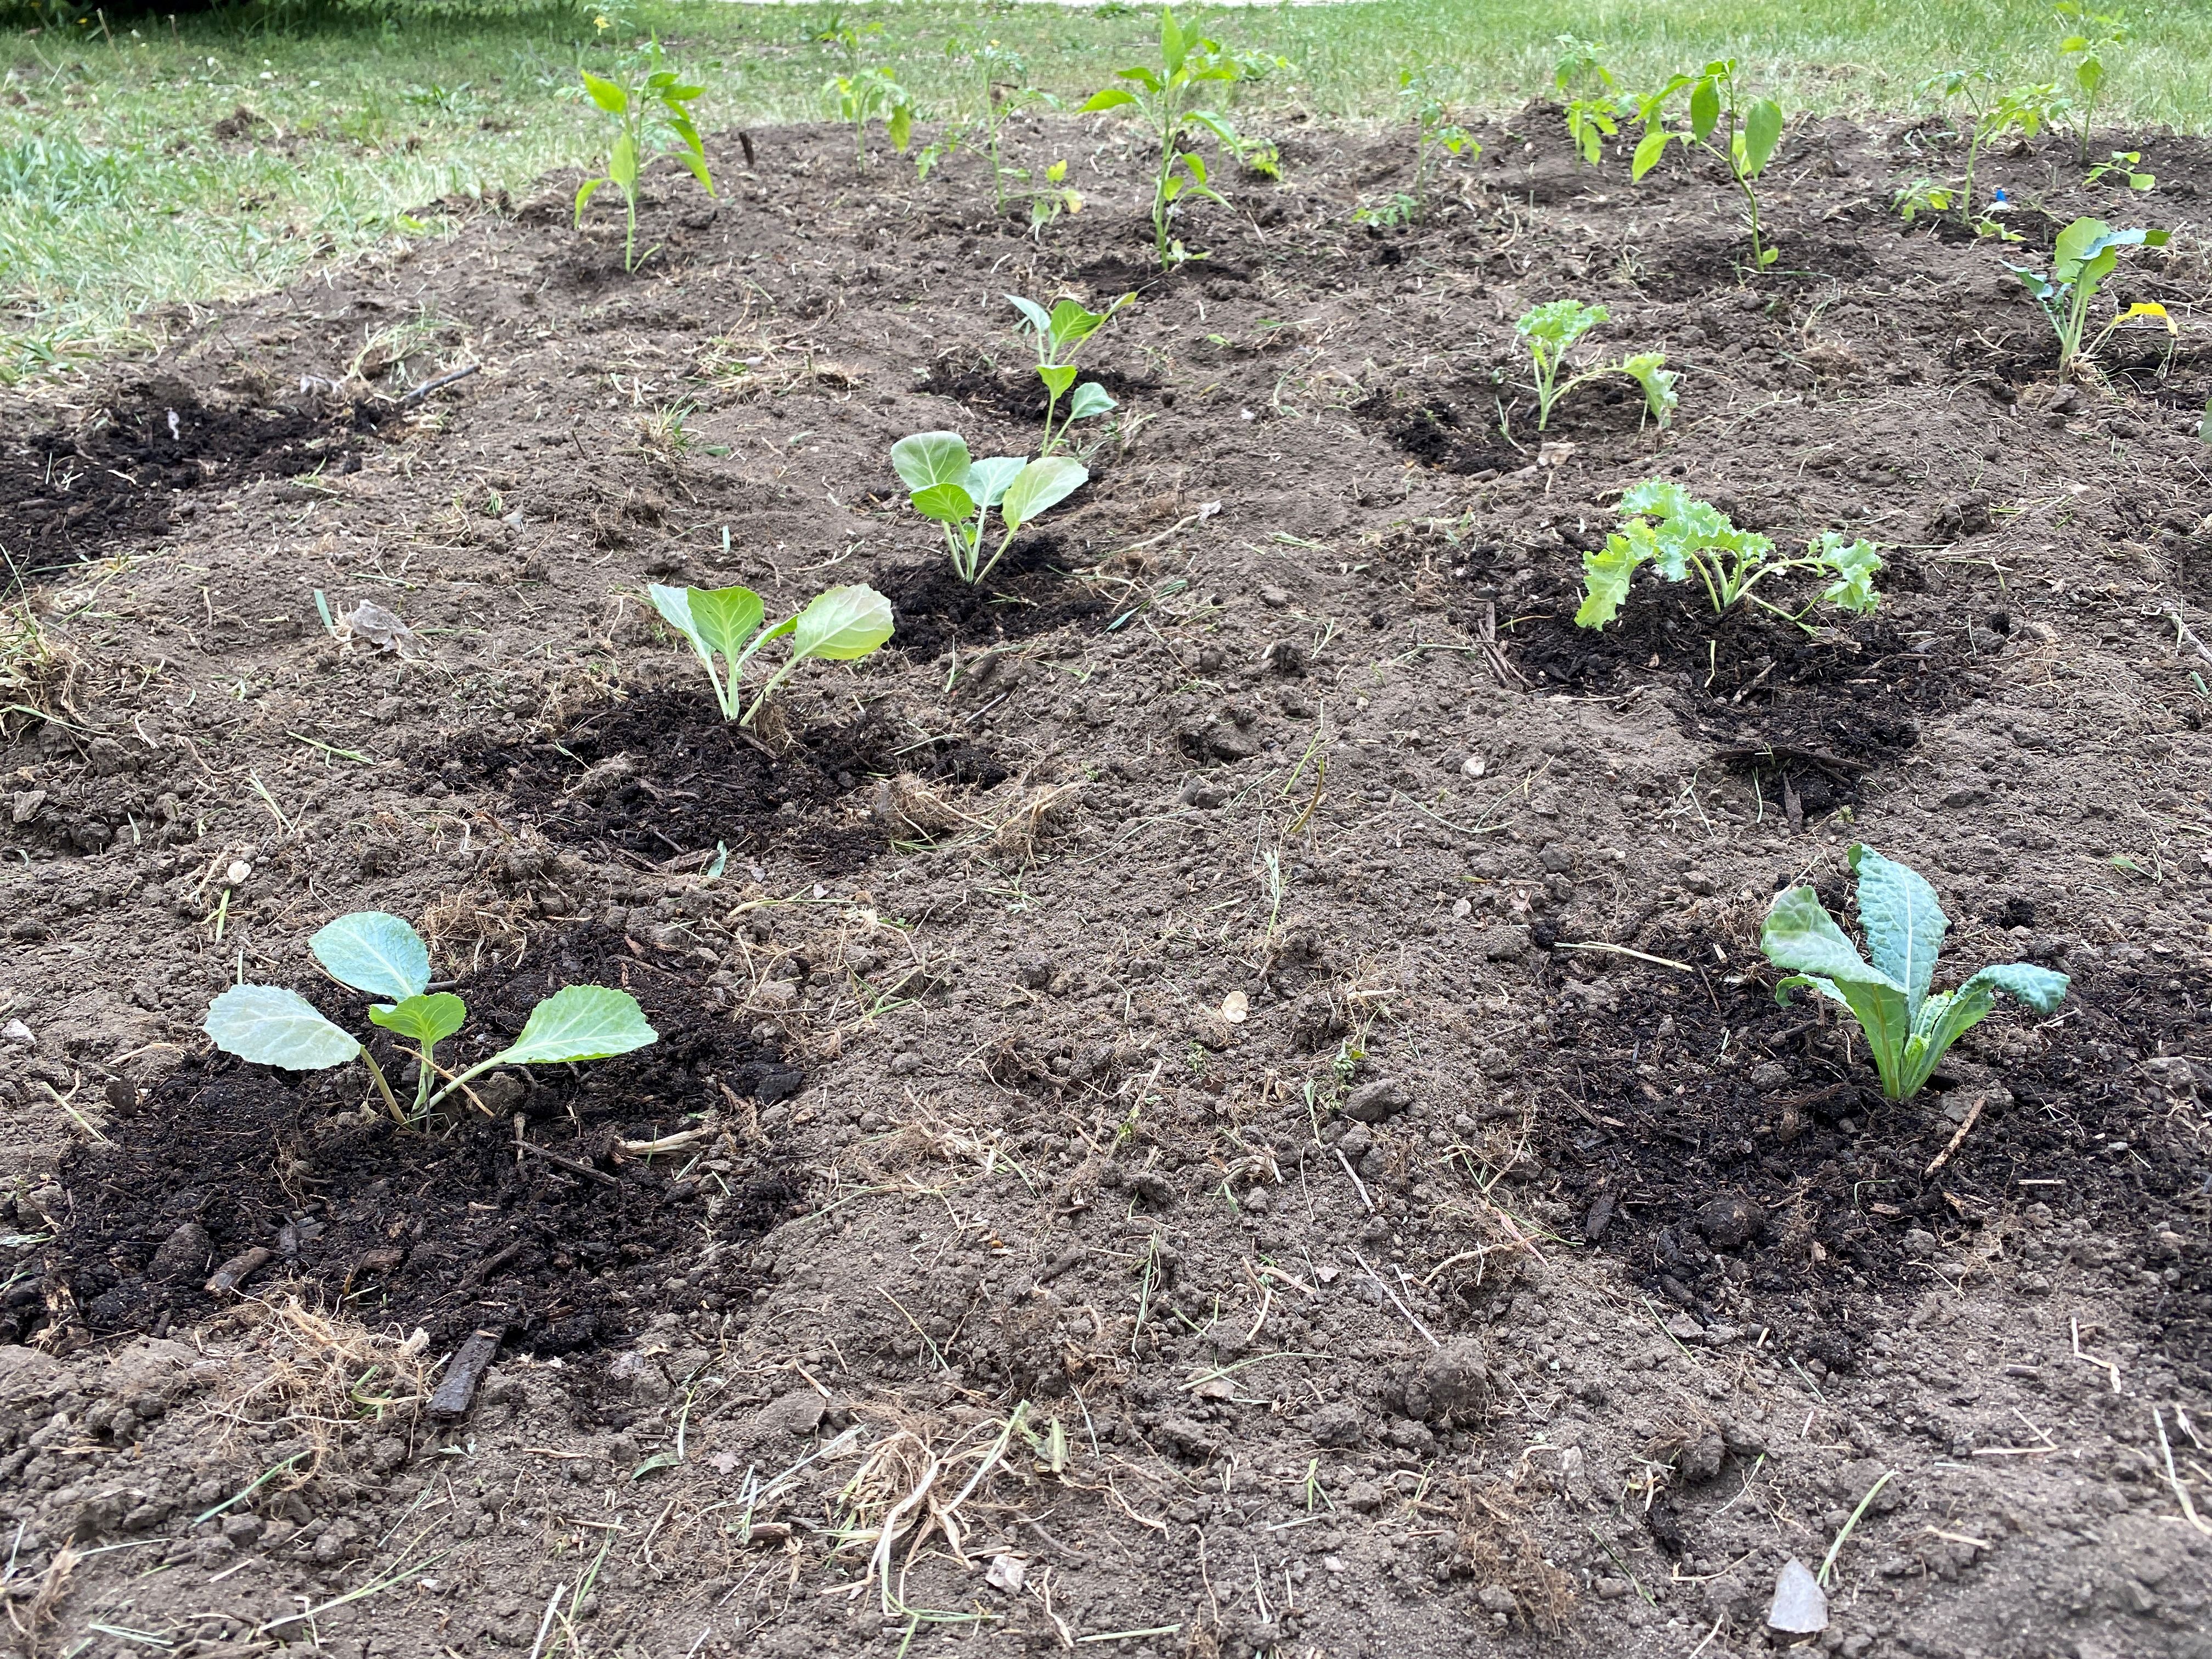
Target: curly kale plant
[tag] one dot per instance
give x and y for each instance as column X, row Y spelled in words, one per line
column 1909, row 1030
column 1552, row 329
column 1667, row 527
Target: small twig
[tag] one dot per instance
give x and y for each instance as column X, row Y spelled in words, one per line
column 236, row 1271
column 2173, row 1480
column 546, row 1623
column 1623, row 950
column 1356, row 1182
column 1394, row 1303
column 457, row 1389
column 429, row 387
column 568, row 1164
column 1973, row 1113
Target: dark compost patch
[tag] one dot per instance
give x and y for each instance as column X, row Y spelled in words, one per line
column 451, row 1231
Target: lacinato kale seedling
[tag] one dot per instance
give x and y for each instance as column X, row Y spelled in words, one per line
column 1552, row 329
column 2086, row 253
column 645, row 115
column 1192, row 67
column 1058, row 335
column 383, row 956
column 1743, row 135
column 1909, row 1030
column 1665, row 526
column 842, row 625
column 958, row 494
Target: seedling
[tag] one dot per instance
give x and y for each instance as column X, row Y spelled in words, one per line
column 1990, row 115
column 1909, row 1030
column 2124, row 163
column 1742, row 134
column 2088, row 33
column 1586, row 87
column 1005, row 91
column 1058, row 335
column 1166, row 98
column 1436, row 135
column 1665, row 526
column 649, row 116
column 383, row 956
column 958, row 494
column 865, row 92
column 842, row 625
column 1552, row 329
column 2086, row 253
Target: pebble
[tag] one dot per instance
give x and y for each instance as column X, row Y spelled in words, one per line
column 1371, row 1102
column 238, row 874
column 14, row 1031
column 1799, row 1606
column 1731, row 1223
column 1274, row 597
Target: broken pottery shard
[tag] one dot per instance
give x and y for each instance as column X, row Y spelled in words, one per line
column 1006, row 1573
column 381, row 628
column 1801, row 1609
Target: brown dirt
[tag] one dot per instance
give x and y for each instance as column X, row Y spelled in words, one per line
column 1514, row 1275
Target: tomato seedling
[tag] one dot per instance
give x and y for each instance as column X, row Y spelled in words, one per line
column 840, row 625
column 1167, row 98
column 865, row 92
column 381, row 956
column 1743, row 134
column 1058, row 335
column 958, row 494
column 1003, row 77
column 2086, row 253
column 1991, row 114
column 1586, row 88
column 646, row 115
column 1551, row 331
column 2088, row 33
column 1436, row 135
column 1665, row 526
column 1908, row 1030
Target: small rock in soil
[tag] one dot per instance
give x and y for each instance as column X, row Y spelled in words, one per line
column 1702, row 1458
column 1458, row 1377
column 797, row 1414
column 1372, row 1103
column 1800, row 1607
column 183, row 1253
column 1731, row 1223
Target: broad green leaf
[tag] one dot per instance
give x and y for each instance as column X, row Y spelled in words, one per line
column 1946, row 1018
column 944, row 504
column 373, row 952
column 726, row 617
column 674, row 605
column 605, row 94
column 1904, row 921
column 901, row 128
column 1033, row 314
column 426, row 1020
column 1648, row 370
column 698, row 167
column 1174, row 41
column 272, row 1026
column 1091, row 400
column 622, row 163
column 1043, row 483
column 1704, row 108
column 841, row 624
column 579, row 1022
column 1800, row 936
column 987, row 481
column 1559, row 323
column 1073, row 322
column 1606, row 575
column 1762, row 132
column 1057, row 377
column 583, row 194
column 931, row 458
column 1110, row 98
column 1649, row 149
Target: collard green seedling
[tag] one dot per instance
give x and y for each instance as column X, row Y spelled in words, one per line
column 2087, row 35
column 1058, row 335
column 958, row 494
column 1909, row 1030
column 1989, row 115
column 383, row 956
column 2086, row 253
column 1172, row 99
column 1725, row 121
column 1666, row 528
column 1552, row 329
column 1003, row 75
column 649, row 115
column 840, row 625
column 865, row 92
column 1586, row 87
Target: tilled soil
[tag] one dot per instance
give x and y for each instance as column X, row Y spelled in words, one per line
column 1221, row 1087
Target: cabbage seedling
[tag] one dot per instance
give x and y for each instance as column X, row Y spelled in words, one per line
column 2124, row 163
column 1167, row 100
column 1909, row 1030
column 1552, row 329
column 2086, row 253
column 958, row 494
column 383, row 956
column 840, row 625
column 1744, row 136
column 1058, row 335
column 1586, row 87
column 1667, row 527
column 645, row 115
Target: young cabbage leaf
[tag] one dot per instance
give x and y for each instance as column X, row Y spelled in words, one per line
column 375, row 952
column 714, row 620
column 1908, row 1029
column 268, row 1025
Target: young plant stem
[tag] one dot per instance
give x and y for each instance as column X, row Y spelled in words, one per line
column 376, row 1076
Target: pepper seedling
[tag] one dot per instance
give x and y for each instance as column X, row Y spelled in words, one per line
column 840, row 625
column 1058, row 335
column 1551, row 331
column 1742, row 135
column 380, row 955
column 1665, row 526
column 2091, row 31
column 958, row 494
column 2086, row 253
column 1909, row 1030
column 645, row 115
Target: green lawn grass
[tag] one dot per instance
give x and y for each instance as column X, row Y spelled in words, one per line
column 118, row 200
